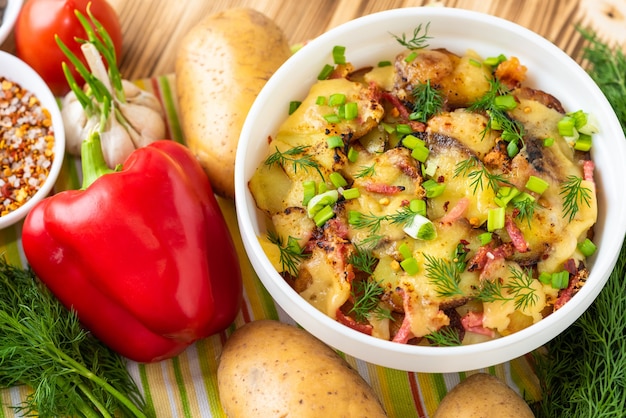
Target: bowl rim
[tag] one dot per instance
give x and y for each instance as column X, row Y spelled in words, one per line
column 29, row 79
column 11, row 12
column 463, row 357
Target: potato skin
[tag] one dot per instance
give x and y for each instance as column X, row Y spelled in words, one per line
column 222, row 64
column 271, row 369
column 483, row 396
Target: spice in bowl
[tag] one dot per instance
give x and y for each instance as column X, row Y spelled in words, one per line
column 26, row 145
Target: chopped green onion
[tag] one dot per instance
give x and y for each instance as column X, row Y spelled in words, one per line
column 432, row 188
column 309, row 191
column 323, row 215
column 537, row 185
column 405, row 251
column 429, row 169
column 548, row 142
column 354, row 217
column 591, row 127
column 411, row 57
column 326, row 71
column 587, row 247
column 403, row 128
column 505, row 194
column 523, row 196
column 420, row 227
column 583, row 142
column 321, row 200
column 293, row 106
column 566, row 126
column 411, row 141
column 337, row 180
column 322, row 188
column 349, row 194
column 334, row 141
column 352, row 155
column 388, row 128
column 336, row 99
column 545, row 277
column 351, row 110
column 418, row 206
column 410, row 266
column 332, row 118
column 495, row 219
column 560, row 280
column 339, row 54
column 384, row 63
column 475, row 62
column 505, row 102
column 485, row 238
column 579, row 117
column 420, row 153
column 494, row 61
column 321, row 100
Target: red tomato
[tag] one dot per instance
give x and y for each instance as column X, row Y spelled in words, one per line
column 40, row 20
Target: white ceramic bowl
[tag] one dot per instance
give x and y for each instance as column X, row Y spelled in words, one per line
column 18, row 71
column 10, row 16
column 368, row 40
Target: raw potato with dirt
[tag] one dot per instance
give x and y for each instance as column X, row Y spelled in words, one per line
column 222, row 64
column 272, row 369
column 483, row 396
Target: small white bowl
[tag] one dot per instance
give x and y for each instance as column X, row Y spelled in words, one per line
column 10, row 16
column 368, row 40
column 16, row 70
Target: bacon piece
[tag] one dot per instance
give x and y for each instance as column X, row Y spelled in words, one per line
column 473, row 322
column 588, row 168
column 395, row 102
column 457, row 211
column 516, row 235
column 404, row 334
column 352, row 323
column 381, row 188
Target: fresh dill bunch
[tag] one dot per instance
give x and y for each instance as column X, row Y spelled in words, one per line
column 428, row 101
column 298, row 158
column 520, row 287
column 574, row 194
column 444, row 337
column 362, row 259
column 526, row 209
column 607, row 67
column 418, row 41
column 492, row 291
column 366, row 295
column 444, row 275
column 474, row 169
column 291, row 254
column 366, row 171
column 44, row 346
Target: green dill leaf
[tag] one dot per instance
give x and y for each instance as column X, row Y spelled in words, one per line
column 520, row 287
column 366, row 295
column 418, row 41
column 526, row 209
column 444, row 337
column 428, row 101
column 362, row 259
column 298, row 158
column 444, row 275
column 290, row 255
column 574, row 194
column 366, row 171
column 475, row 170
column 492, row 291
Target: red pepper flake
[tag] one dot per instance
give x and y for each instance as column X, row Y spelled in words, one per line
column 26, row 145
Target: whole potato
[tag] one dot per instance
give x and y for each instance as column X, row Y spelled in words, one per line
column 272, row 369
column 483, row 396
column 222, row 64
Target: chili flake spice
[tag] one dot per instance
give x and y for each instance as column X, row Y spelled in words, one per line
column 26, row 145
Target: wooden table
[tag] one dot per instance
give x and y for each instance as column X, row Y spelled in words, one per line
column 152, row 29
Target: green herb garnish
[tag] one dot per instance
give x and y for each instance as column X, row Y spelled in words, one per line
column 44, row 346
column 474, row 169
column 418, row 41
column 444, row 275
column 520, row 286
column 297, row 156
column 574, row 194
column 362, row 259
column 366, row 294
column 444, row 337
column 366, row 171
column 290, row 255
column 428, row 101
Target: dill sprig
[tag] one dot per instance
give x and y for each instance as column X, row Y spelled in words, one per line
column 366, row 171
column 574, row 194
column 520, row 287
column 444, row 275
column 444, row 337
column 526, row 209
column 403, row 216
column 418, row 41
column 492, row 291
column 428, row 101
column 475, row 170
column 44, row 346
column 291, row 254
column 362, row 259
column 366, row 295
column 298, row 158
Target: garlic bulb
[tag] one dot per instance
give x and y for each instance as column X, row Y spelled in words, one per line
column 126, row 116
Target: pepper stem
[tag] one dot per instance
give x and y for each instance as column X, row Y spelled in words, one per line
column 92, row 159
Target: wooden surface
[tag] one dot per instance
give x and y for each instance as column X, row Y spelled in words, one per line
column 153, row 28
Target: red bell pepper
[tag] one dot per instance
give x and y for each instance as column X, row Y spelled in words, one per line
column 142, row 253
